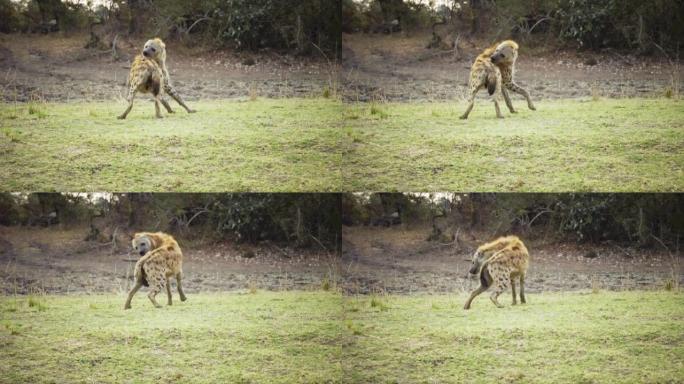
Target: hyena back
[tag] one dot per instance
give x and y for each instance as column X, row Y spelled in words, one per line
column 499, row 262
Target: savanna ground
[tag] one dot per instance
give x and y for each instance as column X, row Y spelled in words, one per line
column 607, row 126
column 400, row 260
column 273, row 314
column 265, row 122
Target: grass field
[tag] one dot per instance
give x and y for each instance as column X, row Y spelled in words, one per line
column 264, row 145
column 624, row 337
column 566, row 145
column 321, row 337
column 228, row 338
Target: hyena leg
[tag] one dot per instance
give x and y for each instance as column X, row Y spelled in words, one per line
column 496, row 97
column 172, row 92
column 499, row 288
column 515, row 299
column 166, row 105
column 518, row 89
column 475, row 293
column 522, row 289
column 157, row 110
column 155, row 287
column 471, row 102
column 131, row 293
column 180, row 288
column 131, row 96
column 168, row 291
column 507, row 98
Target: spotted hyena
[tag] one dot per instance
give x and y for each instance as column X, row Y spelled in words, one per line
column 494, row 69
column 161, row 259
column 498, row 263
column 150, row 75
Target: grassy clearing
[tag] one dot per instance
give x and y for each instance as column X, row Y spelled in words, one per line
column 321, row 337
column 626, row 337
column 226, row 338
column 566, row 145
column 264, row 145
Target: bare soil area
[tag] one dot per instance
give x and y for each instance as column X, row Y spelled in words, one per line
column 400, row 260
column 59, row 68
column 399, row 67
column 36, row 260
column 373, row 260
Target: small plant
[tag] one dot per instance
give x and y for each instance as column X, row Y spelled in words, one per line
column 376, row 110
column 35, row 109
column 325, row 284
column 595, row 286
column 326, row 92
column 375, row 302
column 355, row 330
column 251, row 287
column 12, row 329
column 11, row 134
column 253, row 92
column 36, row 303
column 595, row 93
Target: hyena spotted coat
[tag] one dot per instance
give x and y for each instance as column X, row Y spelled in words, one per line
column 494, row 69
column 161, row 260
column 150, row 75
column 498, row 263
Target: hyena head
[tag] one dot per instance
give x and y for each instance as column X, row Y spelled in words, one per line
column 142, row 243
column 478, row 258
column 155, row 49
column 506, row 53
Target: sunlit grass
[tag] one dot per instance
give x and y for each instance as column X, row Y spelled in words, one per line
column 264, row 145
column 566, row 145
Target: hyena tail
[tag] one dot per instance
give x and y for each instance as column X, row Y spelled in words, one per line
column 490, row 82
column 140, row 274
column 485, row 277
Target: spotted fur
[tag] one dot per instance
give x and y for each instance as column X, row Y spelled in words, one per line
column 494, row 69
column 149, row 75
column 161, row 259
column 498, row 263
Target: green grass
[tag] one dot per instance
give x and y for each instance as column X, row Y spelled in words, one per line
column 627, row 337
column 211, row 338
column 321, row 337
column 266, row 145
column 566, row 145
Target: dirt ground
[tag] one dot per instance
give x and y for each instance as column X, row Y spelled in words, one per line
column 399, row 67
column 399, row 260
column 36, row 260
column 373, row 260
column 395, row 67
column 59, row 68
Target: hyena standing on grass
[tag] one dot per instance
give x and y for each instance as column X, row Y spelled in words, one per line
column 498, row 263
column 494, row 69
column 161, row 259
column 150, row 75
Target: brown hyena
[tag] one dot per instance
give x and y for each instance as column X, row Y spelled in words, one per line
column 150, row 75
column 499, row 263
column 494, row 69
column 161, row 259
